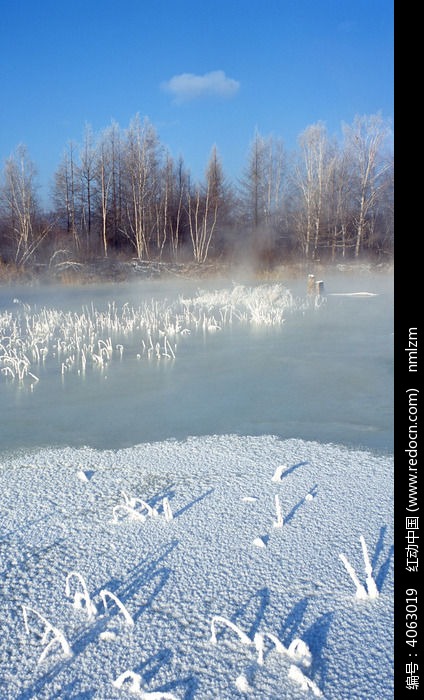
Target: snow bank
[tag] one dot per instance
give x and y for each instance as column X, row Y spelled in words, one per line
column 190, row 557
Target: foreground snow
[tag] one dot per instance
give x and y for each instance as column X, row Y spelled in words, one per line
column 169, row 538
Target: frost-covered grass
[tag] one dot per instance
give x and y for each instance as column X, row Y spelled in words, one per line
column 79, row 341
column 212, row 568
column 171, row 596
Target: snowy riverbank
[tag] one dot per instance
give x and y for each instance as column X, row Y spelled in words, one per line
column 218, row 546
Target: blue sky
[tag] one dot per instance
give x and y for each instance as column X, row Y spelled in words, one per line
column 204, row 73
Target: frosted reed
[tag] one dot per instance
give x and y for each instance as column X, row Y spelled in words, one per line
column 136, row 508
column 134, row 686
column 243, row 685
column 126, row 511
column 134, row 501
column 361, row 592
column 259, row 542
column 371, row 585
column 104, row 595
column 82, row 598
column 298, row 651
column 57, row 637
column 259, row 642
column 279, row 472
column 231, row 625
column 295, row 674
column 90, row 339
column 167, row 509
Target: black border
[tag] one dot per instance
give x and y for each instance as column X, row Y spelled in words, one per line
column 409, row 280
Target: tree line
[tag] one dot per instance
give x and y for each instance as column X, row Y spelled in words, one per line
column 120, row 192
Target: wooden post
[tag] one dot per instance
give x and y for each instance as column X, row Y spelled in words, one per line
column 319, row 288
column 311, row 284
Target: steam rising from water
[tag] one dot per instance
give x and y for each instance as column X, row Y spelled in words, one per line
column 249, row 359
column 91, row 338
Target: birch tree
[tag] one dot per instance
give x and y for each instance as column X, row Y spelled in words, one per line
column 204, row 208
column 170, row 206
column 106, row 181
column 20, row 206
column 338, row 204
column 310, row 179
column 364, row 141
column 141, row 174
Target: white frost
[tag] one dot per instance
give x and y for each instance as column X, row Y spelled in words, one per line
column 202, row 612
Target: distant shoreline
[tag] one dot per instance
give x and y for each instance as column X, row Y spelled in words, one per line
column 109, row 270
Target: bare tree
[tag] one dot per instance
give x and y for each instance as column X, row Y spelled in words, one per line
column 363, row 142
column 141, row 174
column 179, row 183
column 104, row 168
column 310, row 174
column 254, row 195
column 88, row 176
column 261, row 194
column 65, row 194
column 273, row 172
column 204, row 207
column 123, row 189
column 114, row 150
column 338, row 204
column 20, row 206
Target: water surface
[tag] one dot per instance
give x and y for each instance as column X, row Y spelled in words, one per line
column 326, row 374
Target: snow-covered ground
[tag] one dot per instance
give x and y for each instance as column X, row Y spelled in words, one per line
column 211, row 567
column 223, row 580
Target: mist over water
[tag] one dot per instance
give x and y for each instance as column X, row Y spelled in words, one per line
column 325, row 374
